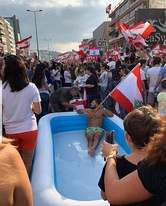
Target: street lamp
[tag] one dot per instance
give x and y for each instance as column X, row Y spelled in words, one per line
column 48, row 47
column 37, row 43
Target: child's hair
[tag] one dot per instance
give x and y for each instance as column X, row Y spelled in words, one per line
column 163, row 83
column 142, row 124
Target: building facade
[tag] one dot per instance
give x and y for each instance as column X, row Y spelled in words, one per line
column 101, row 37
column 131, row 12
column 9, row 34
column 7, row 37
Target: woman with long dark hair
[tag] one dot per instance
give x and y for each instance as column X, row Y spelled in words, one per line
column 91, row 85
column 149, row 179
column 20, row 103
column 40, row 80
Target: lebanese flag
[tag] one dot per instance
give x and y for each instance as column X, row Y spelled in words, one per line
column 64, row 56
column 144, row 29
column 75, row 54
column 115, row 52
column 81, row 54
column 2, row 44
column 128, row 93
column 108, row 8
column 138, row 41
column 124, row 31
column 155, row 51
column 163, row 51
column 85, row 98
column 94, row 51
column 24, row 43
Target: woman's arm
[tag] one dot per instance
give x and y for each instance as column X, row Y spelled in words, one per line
column 36, row 107
column 89, row 85
column 121, row 191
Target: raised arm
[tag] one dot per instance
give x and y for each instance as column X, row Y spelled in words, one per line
column 108, row 113
column 121, row 191
column 87, row 112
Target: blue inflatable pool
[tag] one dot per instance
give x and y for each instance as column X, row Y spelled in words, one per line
column 63, row 172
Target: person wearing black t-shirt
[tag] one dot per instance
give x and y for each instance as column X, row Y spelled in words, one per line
column 137, row 134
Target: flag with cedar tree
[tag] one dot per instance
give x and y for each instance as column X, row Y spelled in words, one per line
column 128, row 93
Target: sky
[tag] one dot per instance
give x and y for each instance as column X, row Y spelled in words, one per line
column 62, row 24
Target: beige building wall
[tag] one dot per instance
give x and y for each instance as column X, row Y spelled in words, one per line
column 7, row 37
column 160, row 4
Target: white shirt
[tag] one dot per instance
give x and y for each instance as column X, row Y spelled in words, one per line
column 58, row 75
column 81, row 80
column 142, row 73
column 67, row 77
column 18, row 116
column 103, row 79
column 152, row 74
column 111, row 64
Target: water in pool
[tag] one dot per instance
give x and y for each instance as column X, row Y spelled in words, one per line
column 76, row 172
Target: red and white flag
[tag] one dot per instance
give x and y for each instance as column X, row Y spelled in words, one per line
column 75, row 54
column 2, row 44
column 125, row 31
column 128, row 93
column 64, row 56
column 85, row 98
column 144, row 29
column 115, row 52
column 108, row 8
column 24, row 43
column 155, row 51
column 163, row 51
column 138, row 41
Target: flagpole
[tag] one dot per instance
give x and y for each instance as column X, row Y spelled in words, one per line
column 115, row 88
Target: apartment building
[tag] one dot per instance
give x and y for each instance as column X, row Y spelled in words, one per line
column 7, row 37
column 9, row 34
column 131, row 12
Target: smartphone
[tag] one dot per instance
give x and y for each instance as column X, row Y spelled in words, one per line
column 110, row 137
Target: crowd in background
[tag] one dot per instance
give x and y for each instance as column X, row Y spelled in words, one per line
column 31, row 91
column 98, row 76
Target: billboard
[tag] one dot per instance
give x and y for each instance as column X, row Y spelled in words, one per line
column 157, row 18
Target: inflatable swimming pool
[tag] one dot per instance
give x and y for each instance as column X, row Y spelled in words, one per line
column 63, row 172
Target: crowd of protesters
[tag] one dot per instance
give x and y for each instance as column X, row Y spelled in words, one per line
column 39, row 88
column 98, row 76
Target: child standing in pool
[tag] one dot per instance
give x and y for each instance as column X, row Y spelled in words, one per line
column 95, row 115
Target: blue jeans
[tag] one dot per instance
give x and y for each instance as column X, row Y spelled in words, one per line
column 57, row 84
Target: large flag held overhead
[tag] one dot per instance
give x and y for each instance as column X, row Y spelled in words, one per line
column 24, row 43
column 64, row 56
column 144, row 29
column 75, row 54
column 138, row 41
column 125, row 31
column 128, row 93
